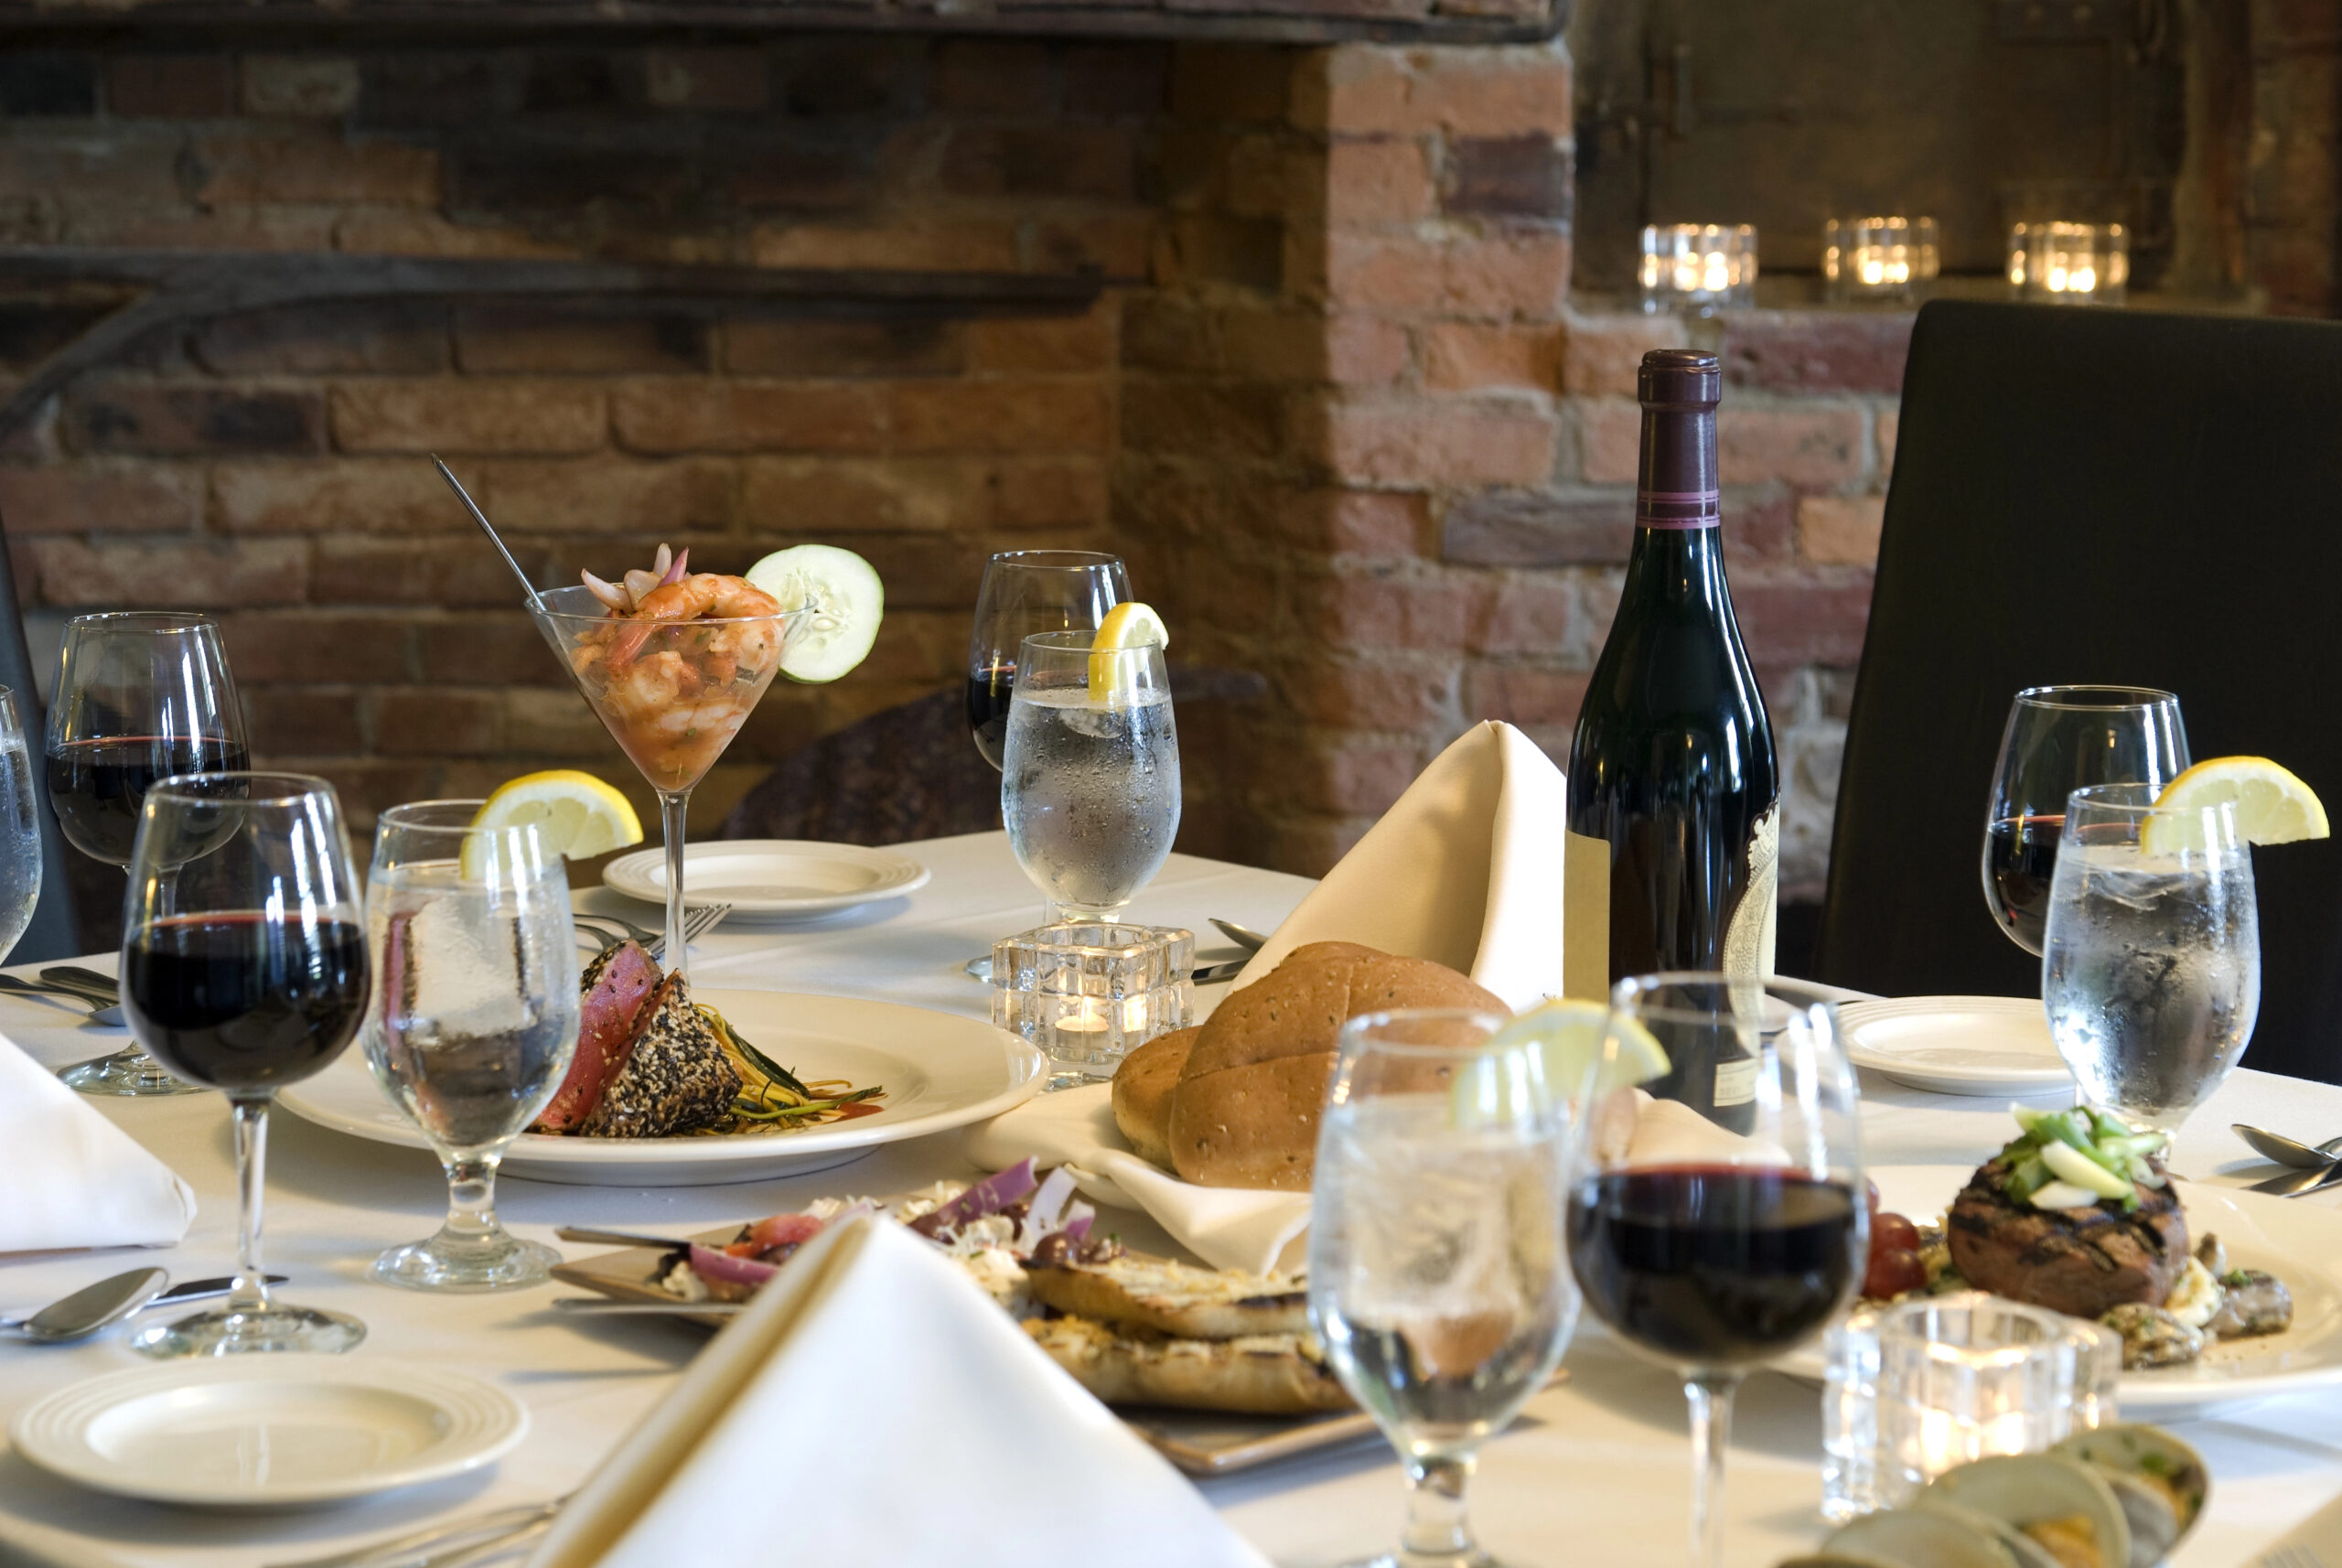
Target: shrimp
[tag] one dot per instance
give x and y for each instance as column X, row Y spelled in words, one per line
column 706, row 596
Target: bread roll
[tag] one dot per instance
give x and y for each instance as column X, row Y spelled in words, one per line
column 1244, row 1112
column 1143, row 1086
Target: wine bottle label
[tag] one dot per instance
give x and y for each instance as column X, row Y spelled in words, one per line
column 1735, row 1082
column 1585, row 916
column 1748, row 939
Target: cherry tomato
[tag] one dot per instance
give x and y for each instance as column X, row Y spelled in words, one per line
column 1893, row 1232
column 1891, row 1272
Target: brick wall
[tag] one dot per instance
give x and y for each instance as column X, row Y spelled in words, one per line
column 2293, row 161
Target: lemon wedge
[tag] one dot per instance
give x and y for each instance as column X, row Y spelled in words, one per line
column 2271, row 805
column 1571, row 1037
column 1128, row 625
column 575, row 814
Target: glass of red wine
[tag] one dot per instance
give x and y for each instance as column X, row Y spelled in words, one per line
column 140, row 695
column 243, row 969
column 2060, row 739
column 1713, row 1249
column 1025, row 592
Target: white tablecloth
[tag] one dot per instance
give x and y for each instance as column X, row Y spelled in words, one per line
column 1595, row 1473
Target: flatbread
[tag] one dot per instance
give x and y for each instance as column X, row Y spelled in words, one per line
column 1262, row 1374
column 1178, row 1299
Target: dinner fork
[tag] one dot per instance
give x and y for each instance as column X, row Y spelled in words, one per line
column 702, row 919
column 448, row 1544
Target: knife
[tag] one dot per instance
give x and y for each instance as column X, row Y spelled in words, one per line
column 194, row 1290
column 2294, row 1184
column 104, row 986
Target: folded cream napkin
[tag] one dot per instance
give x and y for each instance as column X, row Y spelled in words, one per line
column 71, row 1177
column 905, row 1419
column 1464, row 869
column 1631, row 1128
column 1227, row 1226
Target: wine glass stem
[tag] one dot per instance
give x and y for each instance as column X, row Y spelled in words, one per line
column 1436, row 1529
column 1710, row 1394
column 672, row 805
column 250, row 1290
column 471, row 1196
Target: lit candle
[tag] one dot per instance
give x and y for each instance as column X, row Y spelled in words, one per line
column 1877, row 258
column 1702, row 267
column 2069, row 264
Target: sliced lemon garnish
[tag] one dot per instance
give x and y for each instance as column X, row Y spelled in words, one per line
column 2271, row 804
column 1577, row 1042
column 575, row 814
column 1128, row 625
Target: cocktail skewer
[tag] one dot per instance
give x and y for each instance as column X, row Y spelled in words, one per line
column 488, row 528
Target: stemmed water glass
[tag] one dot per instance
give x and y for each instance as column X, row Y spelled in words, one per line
column 1090, row 786
column 2059, row 739
column 19, row 828
column 1715, row 1250
column 2151, row 973
column 474, row 1020
column 243, row 969
column 1436, row 1278
column 1024, row 592
column 141, row 695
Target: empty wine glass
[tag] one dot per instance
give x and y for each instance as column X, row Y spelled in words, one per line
column 1024, row 592
column 1712, row 1249
column 2058, row 739
column 19, row 828
column 474, row 1020
column 1090, row 791
column 243, row 969
column 1436, row 1278
column 2152, row 972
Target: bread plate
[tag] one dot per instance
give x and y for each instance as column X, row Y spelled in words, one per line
column 939, row 1071
column 2299, row 1243
column 1957, row 1044
column 1198, row 1442
column 781, row 879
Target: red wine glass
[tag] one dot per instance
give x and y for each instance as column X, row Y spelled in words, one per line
column 243, row 969
column 140, row 695
column 1712, row 1247
column 2060, row 739
column 1025, row 592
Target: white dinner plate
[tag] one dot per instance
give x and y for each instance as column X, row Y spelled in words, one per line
column 1957, row 1044
column 269, row 1430
column 939, row 1071
column 2299, row 1243
column 770, row 877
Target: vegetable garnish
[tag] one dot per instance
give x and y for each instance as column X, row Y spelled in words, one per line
column 773, row 1099
column 2073, row 1159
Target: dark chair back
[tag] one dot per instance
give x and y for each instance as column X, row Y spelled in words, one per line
column 2096, row 496
column 51, row 936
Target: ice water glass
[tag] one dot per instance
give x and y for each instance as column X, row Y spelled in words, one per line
column 1436, row 1278
column 474, row 1019
column 19, row 828
column 1090, row 781
column 2152, row 972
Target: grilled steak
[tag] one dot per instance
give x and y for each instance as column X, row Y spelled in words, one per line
column 2081, row 1261
column 675, row 1078
column 616, row 985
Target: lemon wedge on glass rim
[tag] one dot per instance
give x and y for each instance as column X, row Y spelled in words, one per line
column 1573, row 1039
column 1128, row 625
column 575, row 814
column 2271, row 805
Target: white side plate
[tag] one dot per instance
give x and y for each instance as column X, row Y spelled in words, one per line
column 770, row 877
column 939, row 1071
column 269, row 1432
column 1957, row 1044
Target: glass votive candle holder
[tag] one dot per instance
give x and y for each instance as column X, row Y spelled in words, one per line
column 1878, row 259
column 1699, row 267
column 2061, row 263
column 1914, row 1388
column 1088, row 993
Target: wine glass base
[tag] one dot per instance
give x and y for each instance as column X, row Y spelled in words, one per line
column 496, row 1263
column 1476, row 1558
column 127, row 1073
column 229, row 1332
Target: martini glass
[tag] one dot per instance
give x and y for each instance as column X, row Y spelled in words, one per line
column 673, row 695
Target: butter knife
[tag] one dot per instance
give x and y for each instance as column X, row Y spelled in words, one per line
column 2294, row 1184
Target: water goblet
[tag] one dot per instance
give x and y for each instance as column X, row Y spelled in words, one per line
column 474, row 1020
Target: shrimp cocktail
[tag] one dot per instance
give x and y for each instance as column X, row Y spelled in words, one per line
column 673, row 661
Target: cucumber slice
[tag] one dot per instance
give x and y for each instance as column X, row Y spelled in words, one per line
column 847, row 601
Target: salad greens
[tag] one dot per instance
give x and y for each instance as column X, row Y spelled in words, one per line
column 2066, row 1159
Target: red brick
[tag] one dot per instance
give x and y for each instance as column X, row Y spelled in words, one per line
column 170, row 86
column 1355, row 778
column 1609, row 435
column 1527, row 615
column 304, row 87
column 749, row 416
column 523, row 336
column 303, row 166
column 320, row 646
column 1465, row 357
column 486, row 650
column 296, row 720
column 1601, row 354
column 449, row 415
column 141, row 225
column 1119, row 246
column 1377, row 523
column 369, row 337
column 442, row 574
column 1042, row 343
column 553, row 723
column 1759, row 525
column 434, row 721
column 1096, row 162
column 1371, row 183
column 213, row 574
column 1230, row 82
column 989, row 77
column 137, row 169
column 1819, row 447
column 1449, row 441
column 939, row 244
column 1888, row 425
column 144, row 498
column 1207, row 249
column 1264, row 178
column 716, row 80
column 1048, row 492
column 402, row 496
column 1810, row 350
column 128, row 417
column 1402, row 698
column 1462, row 90
column 816, row 495
column 405, row 231
column 847, row 349
column 1501, row 274
column 1123, row 80
column 1525, row 696
column 1840, row 531
column 1813, row 618
column 1372, row 612
column 611, row 495
column 1000, row 416
column 1363, row 350
column 1534, row 528
column 1203, row 419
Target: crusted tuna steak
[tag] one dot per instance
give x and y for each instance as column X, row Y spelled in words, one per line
column 675, row 1076
column 2081, row 1261
column 615, row 984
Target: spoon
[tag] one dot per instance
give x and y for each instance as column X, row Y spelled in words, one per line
column 91, row 1307
column 2287, row 1152
column 1243, row 936
column 106, row 1012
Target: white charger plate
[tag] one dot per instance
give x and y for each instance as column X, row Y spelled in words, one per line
column 940, row 1070
column 2298, row 1242
column 1957, row 1044
column 269, row 1430
column 770, row 877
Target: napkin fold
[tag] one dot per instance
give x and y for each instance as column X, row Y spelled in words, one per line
column 875, row 1407
column 1230, row 1228
column 71, row 1177
column 1464, row 869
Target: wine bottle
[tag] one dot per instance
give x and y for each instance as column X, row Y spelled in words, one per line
column 1672, row 781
